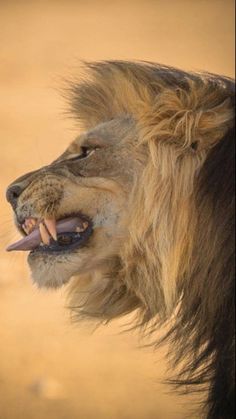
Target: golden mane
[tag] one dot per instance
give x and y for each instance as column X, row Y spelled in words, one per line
column 179, row 249
column 179, row 116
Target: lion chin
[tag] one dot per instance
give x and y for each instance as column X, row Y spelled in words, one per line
column 53, row 271
column 50, row 272
column 139, row 210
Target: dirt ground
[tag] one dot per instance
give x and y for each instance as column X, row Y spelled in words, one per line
column 50, row 368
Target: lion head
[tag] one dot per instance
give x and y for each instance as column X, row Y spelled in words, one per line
column 138, row 209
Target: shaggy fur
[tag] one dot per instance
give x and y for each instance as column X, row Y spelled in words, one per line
column 180, row 251
column 161, row 198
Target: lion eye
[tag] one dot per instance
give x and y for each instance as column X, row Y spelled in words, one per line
column 84, row 152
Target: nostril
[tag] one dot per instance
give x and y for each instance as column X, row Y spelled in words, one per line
column 13, row 193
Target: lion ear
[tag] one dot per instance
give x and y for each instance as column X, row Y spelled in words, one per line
column 194, row 119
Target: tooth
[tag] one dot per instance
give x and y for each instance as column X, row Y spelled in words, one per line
column 44, row 234
column 51, row 226
column 27, row 222
column 30, row 221
column 25, row 228
column 30, row 224
column 79, row 229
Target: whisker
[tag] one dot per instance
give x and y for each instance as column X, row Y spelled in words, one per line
column 10, row 235
column 6, row 217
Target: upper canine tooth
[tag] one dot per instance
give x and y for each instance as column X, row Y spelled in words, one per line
column 44, row 234
column 51, row 226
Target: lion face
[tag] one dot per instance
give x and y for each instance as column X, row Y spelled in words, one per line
column 119, row 209
column 86, row 189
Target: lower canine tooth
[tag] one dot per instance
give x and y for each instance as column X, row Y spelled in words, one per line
column 44, row 234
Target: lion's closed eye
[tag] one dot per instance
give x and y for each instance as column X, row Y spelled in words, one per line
column 84, row 152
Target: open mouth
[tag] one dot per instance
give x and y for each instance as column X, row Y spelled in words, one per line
column 53, row 236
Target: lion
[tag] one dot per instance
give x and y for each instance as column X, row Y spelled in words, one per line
column 138, row 213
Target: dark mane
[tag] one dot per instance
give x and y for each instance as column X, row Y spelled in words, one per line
column 204, row 329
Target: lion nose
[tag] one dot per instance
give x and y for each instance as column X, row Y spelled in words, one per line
column 13, row 193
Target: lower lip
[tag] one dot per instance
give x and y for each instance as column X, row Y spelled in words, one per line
column 66, row 243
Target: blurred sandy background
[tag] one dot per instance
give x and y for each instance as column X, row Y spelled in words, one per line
column 50, row 369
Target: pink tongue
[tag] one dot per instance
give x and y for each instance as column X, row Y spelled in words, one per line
column 33, row 240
